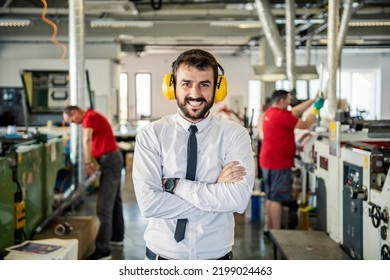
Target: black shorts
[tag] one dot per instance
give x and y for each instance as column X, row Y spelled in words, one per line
column 278, row 184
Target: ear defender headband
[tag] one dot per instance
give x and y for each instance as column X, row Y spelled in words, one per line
column 168, row 86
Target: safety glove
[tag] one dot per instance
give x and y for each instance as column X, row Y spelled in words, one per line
column 318, row 105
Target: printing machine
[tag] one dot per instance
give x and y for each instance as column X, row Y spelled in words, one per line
column 29, row 164
column 304, row 160
column 366, row 200
column 327, row 192
column 351, row 187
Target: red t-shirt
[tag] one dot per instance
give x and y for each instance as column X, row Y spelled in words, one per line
column 278, row 145
column 103, row 140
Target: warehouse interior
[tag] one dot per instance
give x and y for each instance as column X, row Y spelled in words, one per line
column 78, row 51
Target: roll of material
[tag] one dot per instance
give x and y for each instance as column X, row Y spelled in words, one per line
column 62, row 229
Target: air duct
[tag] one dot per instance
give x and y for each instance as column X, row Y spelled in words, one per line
column 272, row 73
column 335, row 45
column 76, row 74
column 290, row 43
column 270, row 30
column 333, row 21
column 343, row 28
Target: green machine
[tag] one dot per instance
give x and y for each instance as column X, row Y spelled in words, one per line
column 7, row 222
column 37, row 166
column 33, row 166
column 53, row 160
column 29, row 176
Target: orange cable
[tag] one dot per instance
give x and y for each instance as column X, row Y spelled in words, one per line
column 52, row 24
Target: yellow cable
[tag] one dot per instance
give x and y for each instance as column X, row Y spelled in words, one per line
column 52, row 24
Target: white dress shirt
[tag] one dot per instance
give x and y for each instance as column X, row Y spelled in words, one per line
column 161, row 152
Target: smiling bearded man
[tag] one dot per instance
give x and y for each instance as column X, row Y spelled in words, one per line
column 192, row 170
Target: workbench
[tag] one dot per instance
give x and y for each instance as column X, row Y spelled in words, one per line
column 305, row 245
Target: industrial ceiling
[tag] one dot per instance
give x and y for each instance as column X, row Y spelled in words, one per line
column 159, row 24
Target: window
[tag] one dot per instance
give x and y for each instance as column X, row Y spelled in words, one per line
column 359, row 89
column 143, row 93
column 123, row 98
column 302, row 87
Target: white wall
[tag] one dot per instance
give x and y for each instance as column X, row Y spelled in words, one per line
column 103, row 75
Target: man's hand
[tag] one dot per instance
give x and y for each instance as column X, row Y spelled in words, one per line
column 89, row 169
column 231, row 172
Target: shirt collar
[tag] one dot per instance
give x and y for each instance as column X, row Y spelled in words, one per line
column 200, row 125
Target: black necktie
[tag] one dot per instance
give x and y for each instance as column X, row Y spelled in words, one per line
column 192, row 150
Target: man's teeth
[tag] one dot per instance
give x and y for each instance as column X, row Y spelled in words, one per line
column 194, row 102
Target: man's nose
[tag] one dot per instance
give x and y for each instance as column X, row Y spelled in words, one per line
column 196, row 90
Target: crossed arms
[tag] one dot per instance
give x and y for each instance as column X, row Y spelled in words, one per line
column 226, row 187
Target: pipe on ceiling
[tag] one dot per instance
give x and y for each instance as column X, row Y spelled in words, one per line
column 290, row 44
column 270, row 30
column 7, row 3
column 308, row 61
column 6, row 10
column 333, row 21
column 346, row 17
column 76, row 74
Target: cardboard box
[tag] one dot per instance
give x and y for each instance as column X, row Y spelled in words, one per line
column 84, row 229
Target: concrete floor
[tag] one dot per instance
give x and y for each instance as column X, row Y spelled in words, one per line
column 249, row 243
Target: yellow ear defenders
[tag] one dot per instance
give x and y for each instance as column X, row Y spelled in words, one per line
column 168, row 87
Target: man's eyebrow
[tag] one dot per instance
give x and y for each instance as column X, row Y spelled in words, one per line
column 201, row 82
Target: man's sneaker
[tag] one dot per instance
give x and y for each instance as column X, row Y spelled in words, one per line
column 98, row 255
column 117, row 243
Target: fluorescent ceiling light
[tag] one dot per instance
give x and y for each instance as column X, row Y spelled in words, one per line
column 357, row 41
column 126, row 37
column 5, row 22
column 225, row 41
column 369, row 23
column 101, row 23
column 302, row 21
column 240, row 24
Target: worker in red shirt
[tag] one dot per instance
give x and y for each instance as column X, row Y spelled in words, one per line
column 278, row 150
column 99, row 142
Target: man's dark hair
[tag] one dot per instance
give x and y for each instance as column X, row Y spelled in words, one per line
column 68, row 109
column 197, row 58
column 278, row 95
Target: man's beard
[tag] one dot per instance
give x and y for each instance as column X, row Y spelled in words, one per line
column 198, row 114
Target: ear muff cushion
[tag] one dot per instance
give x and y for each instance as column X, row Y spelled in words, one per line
column 168, row 88
column 221, row 89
